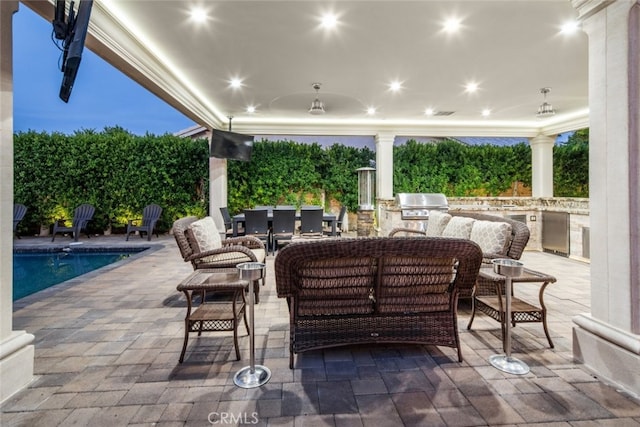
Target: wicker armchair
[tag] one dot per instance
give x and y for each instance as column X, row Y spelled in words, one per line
column 375, row 290
column 519, row 234
column 518, row 241
column 231, row 252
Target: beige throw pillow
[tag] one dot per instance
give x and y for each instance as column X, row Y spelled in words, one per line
column 205, row 234
column 459, row 226
column 492, row 237
column 437, row 222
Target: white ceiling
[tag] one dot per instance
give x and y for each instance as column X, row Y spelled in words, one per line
column 278, row 49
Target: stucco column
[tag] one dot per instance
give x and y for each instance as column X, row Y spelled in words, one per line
column 542, row 165
column 217, row 189
column 16, row 348
column 607, row 340
column 384, row 165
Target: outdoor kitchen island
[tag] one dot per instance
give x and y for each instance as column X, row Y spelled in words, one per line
column 532, row 211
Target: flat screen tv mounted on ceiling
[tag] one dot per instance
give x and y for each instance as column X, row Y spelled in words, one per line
column 73, row 32
column 231, row 145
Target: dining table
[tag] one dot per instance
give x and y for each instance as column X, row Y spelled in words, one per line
column 329, row 218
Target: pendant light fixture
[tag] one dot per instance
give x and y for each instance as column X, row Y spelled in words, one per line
column 545, row 109
column 317, row 106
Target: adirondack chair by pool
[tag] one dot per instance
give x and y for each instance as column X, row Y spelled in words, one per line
column 19, row 211
column 81, row 216
column 150, row 215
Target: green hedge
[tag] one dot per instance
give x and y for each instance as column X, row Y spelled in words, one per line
column 459, row 170
column 571, row 166
column 115, row 171
column 120, row 173
column 291, row 173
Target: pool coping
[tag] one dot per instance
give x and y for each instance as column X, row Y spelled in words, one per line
column 137, row 252
column 79, row 249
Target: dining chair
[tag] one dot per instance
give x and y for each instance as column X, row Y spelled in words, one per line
column 256, row 223
column 228, row 223
column 267, row 207
column 284, row 225
column 339, row 222
column 311, row 221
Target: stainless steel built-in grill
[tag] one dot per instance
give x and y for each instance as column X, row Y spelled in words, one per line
column 416, row 206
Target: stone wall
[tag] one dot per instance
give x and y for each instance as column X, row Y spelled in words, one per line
column 366, row 224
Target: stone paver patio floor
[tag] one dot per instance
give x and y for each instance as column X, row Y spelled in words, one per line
column 107, row 347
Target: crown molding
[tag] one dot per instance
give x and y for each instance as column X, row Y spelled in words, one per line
column 442, row 128
column 587, row 8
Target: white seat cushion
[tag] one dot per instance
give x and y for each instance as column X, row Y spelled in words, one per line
column 437, row 222
column 492, row 237
column 459, row 226
column 205, row 234
column 232, row 258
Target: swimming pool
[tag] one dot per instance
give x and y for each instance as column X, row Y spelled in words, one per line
column 34, row 271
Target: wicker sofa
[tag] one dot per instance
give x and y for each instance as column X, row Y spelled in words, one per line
column 375, row 290
column 515, row 240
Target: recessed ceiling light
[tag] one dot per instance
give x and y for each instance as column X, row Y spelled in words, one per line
column 395, row 86
column 471, row 87
column 198, row 14
column 486, row 112
column 329, row 21
column 429, row 112
column 570, row 27
column 452, row 25
column 235, row 83
column 371, row 111
column 251, row 109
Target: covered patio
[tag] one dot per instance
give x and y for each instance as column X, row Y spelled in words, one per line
column 603, row 334
column 107, row 349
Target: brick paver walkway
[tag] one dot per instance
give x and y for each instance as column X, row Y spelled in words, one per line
column 107, row 348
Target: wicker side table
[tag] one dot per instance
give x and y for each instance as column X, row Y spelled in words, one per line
column 222, row 315
column 521, row 311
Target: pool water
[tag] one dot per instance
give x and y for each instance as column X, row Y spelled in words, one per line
column 35, row 271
